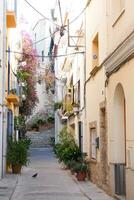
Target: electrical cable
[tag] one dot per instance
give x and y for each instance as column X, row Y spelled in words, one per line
column 50, row 36
column 45, row 37
column 41, row 13
column 39, row 56
column 75, row 18
column 53, row 22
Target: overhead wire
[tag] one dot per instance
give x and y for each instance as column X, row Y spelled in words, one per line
column 71, row 21
column 54, row 22
column 41, row 13
column 52, row 34
column 40, row 56
column 83, row 10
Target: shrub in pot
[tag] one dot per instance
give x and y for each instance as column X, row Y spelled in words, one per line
column 67, row 149
column 72, row 164
column 81, row 169
column 35, row 126
column 17, row 154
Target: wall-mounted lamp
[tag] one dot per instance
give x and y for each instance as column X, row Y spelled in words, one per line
column 95, row 56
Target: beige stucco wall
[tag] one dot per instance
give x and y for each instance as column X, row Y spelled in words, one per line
column 111, row 33
column 118, row 30
column 95, row 23
column 124, row 24
column 95, row 94
column 95, row 90
column 125, row 77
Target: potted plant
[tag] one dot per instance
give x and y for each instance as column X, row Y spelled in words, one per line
column 35, row 126
column 81, row 169
column 17, row 154
column 57, row 105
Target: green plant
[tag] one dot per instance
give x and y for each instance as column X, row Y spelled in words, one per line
column 71, row 163
column 35, row 125
column 80, row 167
column 57, row 105
column 17, row 151
column 22, row 75
column 52, row 141
column 50, row 119
column 67, row 149
column 41, row 121
column 19, row 122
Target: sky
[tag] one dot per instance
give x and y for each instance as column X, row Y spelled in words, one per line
column 43, row 6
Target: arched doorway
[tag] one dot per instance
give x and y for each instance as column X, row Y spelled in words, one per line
column 119, row 135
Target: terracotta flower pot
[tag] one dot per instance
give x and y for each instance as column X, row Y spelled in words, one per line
column 16, row 169
column 81, row 176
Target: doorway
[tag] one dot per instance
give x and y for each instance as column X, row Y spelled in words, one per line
column 119, row 132
column 80, row 128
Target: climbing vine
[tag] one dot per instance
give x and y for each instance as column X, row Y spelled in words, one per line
column 26, row 75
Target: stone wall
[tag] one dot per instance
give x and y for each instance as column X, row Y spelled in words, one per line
column 99, row 169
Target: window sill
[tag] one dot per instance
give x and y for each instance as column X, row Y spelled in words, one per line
column 118, row 18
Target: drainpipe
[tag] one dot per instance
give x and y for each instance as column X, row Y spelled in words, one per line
column 1, row 135
column 3, row 115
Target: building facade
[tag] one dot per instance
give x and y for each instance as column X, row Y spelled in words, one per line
column 109, row 107
column 9, row 93
column 119, row 72
column 100, row 84
column 70, row 73
column 96, row 135
column 2, row 80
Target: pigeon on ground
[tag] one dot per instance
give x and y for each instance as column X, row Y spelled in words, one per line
column 34, row 175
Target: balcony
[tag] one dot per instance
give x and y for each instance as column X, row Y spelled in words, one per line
column 13, row 99
column 11, row 13
column 67, row 105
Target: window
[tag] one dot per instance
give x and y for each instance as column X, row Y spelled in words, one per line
column 42, row 56
column 77, row 93
column 95, row 51
column 93, row 143
column 117, row 9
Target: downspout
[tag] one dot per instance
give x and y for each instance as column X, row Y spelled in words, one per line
column 84, row 107
column 3, row 92
column 8, row 70
column 2, row 100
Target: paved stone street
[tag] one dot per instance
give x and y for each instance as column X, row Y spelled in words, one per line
column 41, row 139
column 52, row 182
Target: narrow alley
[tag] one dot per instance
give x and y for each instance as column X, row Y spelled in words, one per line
column 52, row 181
column 66, row 103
